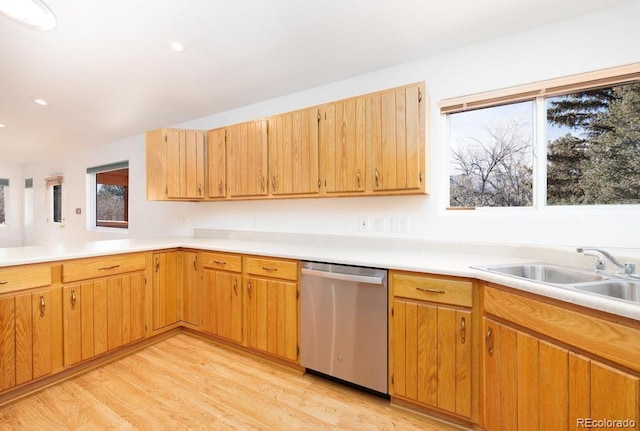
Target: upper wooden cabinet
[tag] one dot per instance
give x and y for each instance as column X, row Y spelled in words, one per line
column 342, row 146
column 247, row 159
column 293, row 153
column 175, row 164
column 217, row 163
column 395, row 139
column 362, row 146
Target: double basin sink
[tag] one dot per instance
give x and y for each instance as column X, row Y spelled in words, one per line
column 585, row 281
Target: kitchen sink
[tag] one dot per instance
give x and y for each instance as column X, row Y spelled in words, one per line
column 621, row 289
column 545, row 273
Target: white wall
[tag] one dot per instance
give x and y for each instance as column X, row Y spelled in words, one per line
column 590, row 42
column 11, row 231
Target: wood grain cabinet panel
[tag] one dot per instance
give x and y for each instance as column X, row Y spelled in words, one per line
column 247, row 161
column 27, row 322
column 534, row 384
column 342, row 146
column 166, row 294
column 190, row 287
column 431, row 341
column 102, row 315
column 272, row 315
column 293, row 153
column 217, row 163
column 395, row 138
column 175, row 164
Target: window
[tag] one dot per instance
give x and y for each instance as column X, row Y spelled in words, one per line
column 574, row 141
column 109, row 206
column 4, row 185
column 491, row 161
column 28, row 202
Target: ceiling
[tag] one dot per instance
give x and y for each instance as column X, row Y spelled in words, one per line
column 107, row 71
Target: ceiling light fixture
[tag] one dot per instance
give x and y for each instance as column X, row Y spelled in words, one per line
column 176, row 46
column 1, row 125
column 41, row 102
column 33, row 13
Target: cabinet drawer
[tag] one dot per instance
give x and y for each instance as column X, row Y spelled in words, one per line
column 227, row 262
column 24, row 277
column 435, row 289
column 276, row 268
column 95, row 267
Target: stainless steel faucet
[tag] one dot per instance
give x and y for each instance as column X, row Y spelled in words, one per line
column 629, row 268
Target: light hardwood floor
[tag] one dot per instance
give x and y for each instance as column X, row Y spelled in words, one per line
column 185, row 383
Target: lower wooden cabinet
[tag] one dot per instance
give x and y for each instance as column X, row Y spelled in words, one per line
column 534, row 384
column 272, row 315
column 221, row 304
column 431, row 341
column 28, row 328
column 166, row 292
column 102, row 315
column 551, row 366
column 190, row 287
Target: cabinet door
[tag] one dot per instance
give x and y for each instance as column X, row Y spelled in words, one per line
column 247, row 159
column 272, row 314
column 166, row 303
column 217, row 163
column 342, row 146
column 394, row 140
column 185, row 164
column 432, row 355
column 34, row 331
column 293, row 153
column 190, row 287
column 533, row 384
column 7, row 343
column 222, row 304
column 72, row 324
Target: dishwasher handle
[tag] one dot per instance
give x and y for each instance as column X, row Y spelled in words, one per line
column 344, row 277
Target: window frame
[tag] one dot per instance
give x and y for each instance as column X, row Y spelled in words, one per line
column 92, row 183
column 4, row 185
column 537, row 93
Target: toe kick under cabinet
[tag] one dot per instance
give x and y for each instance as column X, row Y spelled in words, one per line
column 433, row 340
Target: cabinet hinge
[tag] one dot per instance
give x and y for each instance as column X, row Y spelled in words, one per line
column 419, row 95
column 391, row 311
column 420, row 176
column 297, row 294
column 165, row 138
column 297, row 350
column 392, row 379
column 318, row 115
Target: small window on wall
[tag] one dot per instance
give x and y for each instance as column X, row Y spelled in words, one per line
column 54, row 197
column 109, row 199
column 28, row 202
column 4, row 185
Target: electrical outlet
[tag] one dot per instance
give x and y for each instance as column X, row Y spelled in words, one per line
column 363, row 224
column 79, row 211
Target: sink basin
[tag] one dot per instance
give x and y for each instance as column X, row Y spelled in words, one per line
column 544, row 273
column 621, row 289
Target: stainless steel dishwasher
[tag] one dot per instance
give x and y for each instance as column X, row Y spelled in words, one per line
column 343, row 328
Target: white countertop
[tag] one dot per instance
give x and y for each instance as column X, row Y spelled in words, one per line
column 412, row 255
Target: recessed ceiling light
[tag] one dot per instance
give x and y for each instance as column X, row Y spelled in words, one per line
column 1, row 125
column 176, row 46
column 33, row 13
column 41, row 102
